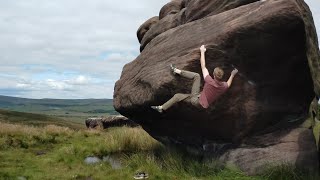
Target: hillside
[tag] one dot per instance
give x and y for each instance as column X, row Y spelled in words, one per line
column 69, row 109
column 35, row 119
column 24, row 104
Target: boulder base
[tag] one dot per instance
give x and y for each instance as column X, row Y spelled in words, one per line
column 291, row 147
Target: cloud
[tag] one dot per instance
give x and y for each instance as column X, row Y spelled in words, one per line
column 75, row 87
column 80, row 80
column 23, row 85
column 57, row 85
column 91, row 40
column 74, row 48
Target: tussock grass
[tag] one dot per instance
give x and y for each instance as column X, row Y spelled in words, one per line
column 17, row 129
column 21, row 136
column 54, row 152
column 287, row 172
column 129, row 140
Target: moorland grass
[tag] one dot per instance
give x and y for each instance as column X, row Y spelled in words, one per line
column 36, row 119
column 54, row 152
column 71, row 110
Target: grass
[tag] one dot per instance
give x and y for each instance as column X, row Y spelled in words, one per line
column 287, row 172
column 54, row 152
column 313, row 121
column 36, row 119
column 74, row 110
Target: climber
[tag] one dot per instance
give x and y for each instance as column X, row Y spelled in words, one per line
column 213, row 87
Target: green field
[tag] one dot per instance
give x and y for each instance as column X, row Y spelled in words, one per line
column 76, row 110
column 53, row 152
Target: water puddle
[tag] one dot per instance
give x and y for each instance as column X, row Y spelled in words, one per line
column 114, row 160
column 92, row 160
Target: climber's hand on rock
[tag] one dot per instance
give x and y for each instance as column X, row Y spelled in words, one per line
column 203, row 49
column 234, row 72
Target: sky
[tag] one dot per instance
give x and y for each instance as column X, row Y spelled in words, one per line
column 72, row 49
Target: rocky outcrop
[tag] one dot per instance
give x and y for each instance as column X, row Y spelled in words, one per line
column 109, row 121
column 172, row 7
column 177, row 12
column 290, row 146
column 272, row 43
column 145, row 27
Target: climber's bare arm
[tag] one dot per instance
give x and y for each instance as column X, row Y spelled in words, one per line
column 233, row 73
column 205, row 71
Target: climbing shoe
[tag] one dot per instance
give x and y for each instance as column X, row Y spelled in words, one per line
column 173, row 68
column 141, row 175
column 157, row 108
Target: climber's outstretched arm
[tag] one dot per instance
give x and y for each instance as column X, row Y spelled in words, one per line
column 205, row 71
column 233, row 73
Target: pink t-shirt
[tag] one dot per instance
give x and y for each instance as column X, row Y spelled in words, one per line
column 211, row 91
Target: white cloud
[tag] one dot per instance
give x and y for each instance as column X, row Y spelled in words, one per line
column 23, row 85
column 57, row 85
column 95, row 38
column 75, row 87
column 74, row 48
column 80, row 80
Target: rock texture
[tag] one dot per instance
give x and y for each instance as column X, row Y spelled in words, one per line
column 293, row 146
column 146, row 26
column 272, row 43
column 109, row 121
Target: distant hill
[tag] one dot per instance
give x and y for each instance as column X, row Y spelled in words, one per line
column 70, row 109
column 7, row 101
column 15, row 117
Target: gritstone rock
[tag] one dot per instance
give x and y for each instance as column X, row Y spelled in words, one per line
column 272, row 43
column 109, row 121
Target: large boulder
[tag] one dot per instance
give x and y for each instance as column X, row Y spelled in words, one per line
column 272, row 43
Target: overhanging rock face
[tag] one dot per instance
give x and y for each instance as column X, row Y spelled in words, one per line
column 272, row 43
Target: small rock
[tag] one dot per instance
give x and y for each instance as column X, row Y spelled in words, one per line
column 109, row 121
column 39, row 153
